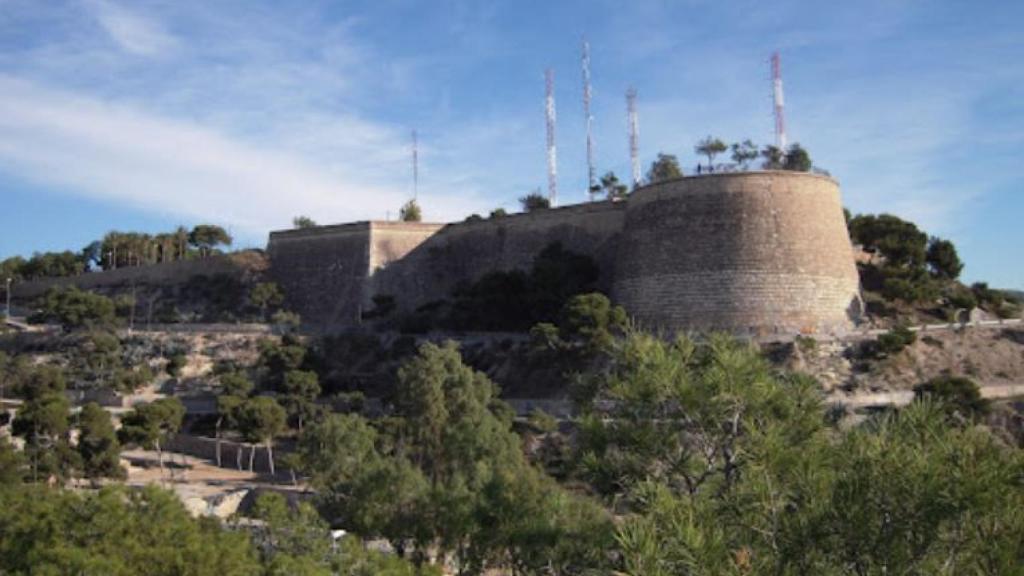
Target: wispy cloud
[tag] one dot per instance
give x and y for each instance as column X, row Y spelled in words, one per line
column 131, row 31
column 120, row 154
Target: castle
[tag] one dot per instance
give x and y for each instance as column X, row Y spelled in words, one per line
column 756, row 253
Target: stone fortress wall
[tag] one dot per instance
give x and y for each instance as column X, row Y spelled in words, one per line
column 751, row 252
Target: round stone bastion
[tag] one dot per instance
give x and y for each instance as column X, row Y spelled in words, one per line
column 755, row 253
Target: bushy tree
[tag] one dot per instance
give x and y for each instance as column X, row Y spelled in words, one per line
column 115, row 531
column 207, row 237
column 958, row 395
column 303, row 222
column 534, row 201
column 300, row 390
column 12, row 464
column 743, row 153
column 774, row 158
column 612, row 188
column 942, row 259
column 97, row 444
column 43, row 421
column 899, row 241
column 150, row 425
column 710, row 147
column 498, row 213
column 266, row 295
column 797, row 159
column 410, row 212
column 259, row 420
column 666, row 167
column 74, row 308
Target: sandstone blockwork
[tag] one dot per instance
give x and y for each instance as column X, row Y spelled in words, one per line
column 756, row 253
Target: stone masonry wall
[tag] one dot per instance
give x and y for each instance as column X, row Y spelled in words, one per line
column 322, row 271
column 467, row 250
column 755, row 252
column 239, row 265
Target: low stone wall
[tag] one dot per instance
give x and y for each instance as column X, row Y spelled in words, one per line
column 239, row 264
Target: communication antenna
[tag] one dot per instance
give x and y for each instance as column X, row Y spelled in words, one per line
column 634, row 135
column 415, row 167
column 549, row 109
column 780, row 118
column 591, row 182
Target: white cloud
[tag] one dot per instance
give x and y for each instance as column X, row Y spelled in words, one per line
column 132, row 32
column 116, row 153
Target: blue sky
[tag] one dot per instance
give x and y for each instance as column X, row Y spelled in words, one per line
column 139, row 115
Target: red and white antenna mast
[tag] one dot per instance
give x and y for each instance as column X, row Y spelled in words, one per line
column 591, row 182
column 780, row 117
column 549, row 110
column 415, row 166
column 634, row 136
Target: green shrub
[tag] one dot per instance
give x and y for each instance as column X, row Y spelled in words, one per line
column 175, row 363
column 895, row 340
column 958, row 395
column 962, row 298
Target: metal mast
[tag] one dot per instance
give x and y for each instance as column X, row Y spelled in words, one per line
column 549, row 109
column 591, row 181
column 780, row 118
column 634, row 136
column 415, row 166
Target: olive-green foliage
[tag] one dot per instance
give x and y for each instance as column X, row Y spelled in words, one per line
column 43, row 420
column 300, row 390
column 206, row 238
column 959, row 396
column 894, row 341
column 657, row 411
column 534, row 201
column 450, row 476
column 97, row 444
column 996, row 300
column 73, row 308
column 265, row 296
column 175, row 363
column 12, row 463
column 516, row 300
column 410, row 212
column 900, row 242
column 295, row 540
column 797, row 159
column 48, row 265
column 961, row 298
column 592, row 321
column 115, row 532
column 277, row 359
column 665, row 167
column 743, row 153
column 943, row 259
column 726, row 468
column 710, row 147
column 149, row 425
column 612, row 188
column 302, row 222
column 498, row 213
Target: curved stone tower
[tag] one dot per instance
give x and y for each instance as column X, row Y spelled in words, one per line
column 755, row 253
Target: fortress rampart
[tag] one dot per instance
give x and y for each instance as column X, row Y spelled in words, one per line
column 755, row 253
column 749, row 252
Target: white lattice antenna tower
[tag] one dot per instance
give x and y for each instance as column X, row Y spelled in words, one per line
column 589, row 118
column 415, row 166
column 549, row 109
column 780, row 117
column 634, row 136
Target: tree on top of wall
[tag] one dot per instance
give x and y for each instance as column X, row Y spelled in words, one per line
column 535, row 201
column 410, row 212
column 666, row 167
